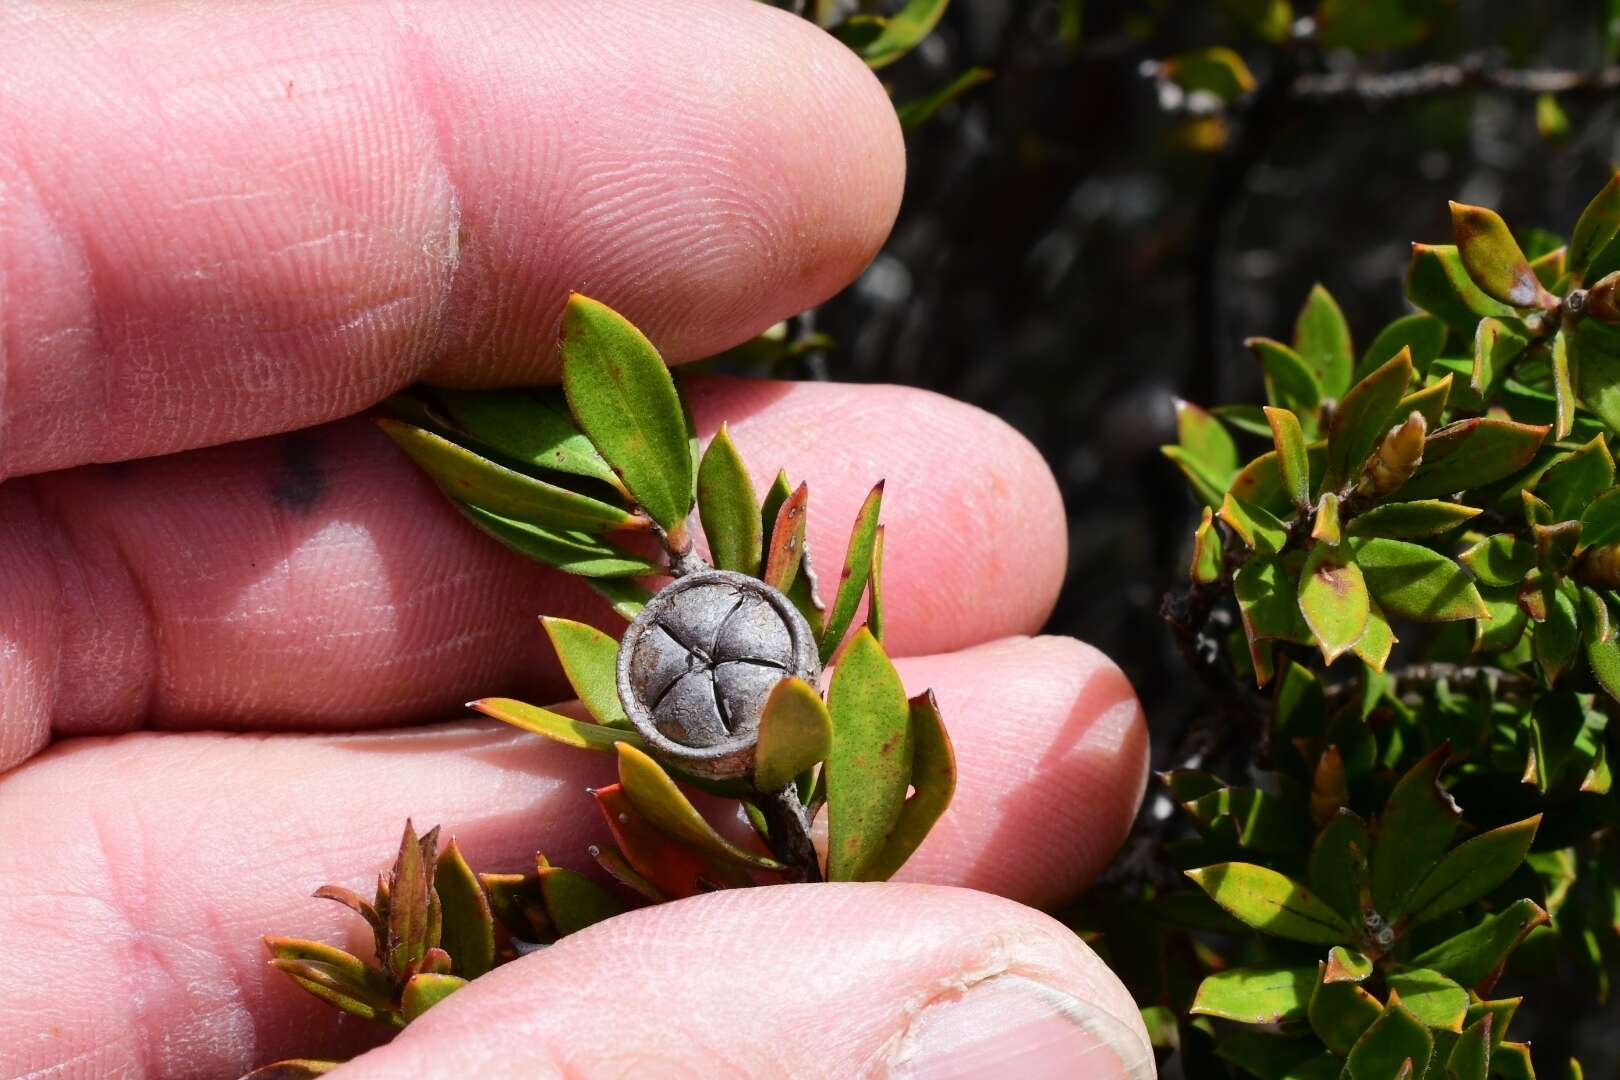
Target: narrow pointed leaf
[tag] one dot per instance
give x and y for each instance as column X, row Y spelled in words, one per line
column 623, row 398
column 1473, row 453
column 1322, row 339
column 933, row 783
column 1563, row 380
column 1256, row 995
column 726, row 506
column 555, row 726
column 1395, row 1043
column 1473, row 869
column 343, row 968
column 1498, row 345
column 899, row 33
column 574, row 901
column 1411, row 520
column 410, row 889
column 870, row 762
column 914, row 114
column 469, row 478
column 652, row 791
column 857, row 569
column 675, row 869
column 1413, row 582
column 1415, row 829
column 469, row 926
column 1272, row 903
column 572, row 552
column 1363, row 416
column 588, row 658
column 1597, row 226
column 795, row 732
column 1424, row 336
column 533, row 427
column 1337, row 867
column 1206, row 563
column 1256, row 527
column 1475, row 957
column 1290, row 382
column 425, row 991
column 612, row 860
column 1292, row 460
column 786, row 549
column 874, row 588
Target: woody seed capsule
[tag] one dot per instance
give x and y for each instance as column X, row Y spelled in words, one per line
column 698, row 663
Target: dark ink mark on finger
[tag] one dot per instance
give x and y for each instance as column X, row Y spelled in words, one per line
column 298, row 481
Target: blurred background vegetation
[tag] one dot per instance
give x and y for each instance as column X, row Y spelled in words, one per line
column 1079, row 245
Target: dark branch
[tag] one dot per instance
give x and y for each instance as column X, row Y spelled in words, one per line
column 1476, row 71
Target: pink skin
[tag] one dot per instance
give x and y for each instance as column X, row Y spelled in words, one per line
column 216, row 229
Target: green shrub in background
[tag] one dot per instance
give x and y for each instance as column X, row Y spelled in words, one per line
column 1420, row 570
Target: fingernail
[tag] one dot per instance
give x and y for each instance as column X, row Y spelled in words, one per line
column 1012, row 1026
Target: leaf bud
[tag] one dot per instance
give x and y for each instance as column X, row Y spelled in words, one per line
column 1399, row 454
column 697, row 664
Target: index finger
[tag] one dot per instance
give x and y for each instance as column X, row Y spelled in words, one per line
column 216, row 224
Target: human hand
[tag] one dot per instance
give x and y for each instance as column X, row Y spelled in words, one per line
column 231, row 231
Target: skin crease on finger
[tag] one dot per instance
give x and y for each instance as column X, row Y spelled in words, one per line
column 215, row 229
column 318, row 580
column 141, row 912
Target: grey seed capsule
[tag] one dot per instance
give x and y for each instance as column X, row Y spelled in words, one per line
column 697, row 665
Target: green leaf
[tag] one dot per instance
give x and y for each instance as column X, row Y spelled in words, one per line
column 531, row 426
column 1256, row 995
column 1293, row 462
column 468, row 933
column 1503, row 630
column 469, row 478
column 1214, row 70
column 900, row 32
column 1603, row 657
column 1498, row 344
column 624, row 399
column 1431, row 997
column 1563, row 379
column 332, row 968
column 1322, row 339
column 1595, row 352
column 1470, row 1057
column 1511, row 1061
column 1395, row 1038
column 1256, row 527
column 1206, row 441
column 1576, row 479
column 794, row 734
column 1272, row 903
column 1337, row 869
column 667, row 808
column 1269, row 601
column 1377, row 640
column 1557, row 637
column 612, row 859
column 555, row 726
column 1341, row 1012
column 1492, row 257
column 1333, row 599
column 874, row 587
column 914, row 114
column 625, row 597
column 1269, row 20
column 1412, row 520
column 1346, row 965
column 1600, row 521
column 1437, row 283
column 1422, row 335
column 572, row 552
column 1413, row 582
column 1501, row 560
column 1597, row 226
column 589, row 659
column 725, row 498
column 1205, row 567
column 574, row 901
column 870, row 761
column 1244, row 416
column 1475, row 957
column 933, row 783
column 425, row 991
column 1409, row 837
column 1472, row 453
column 1208, row 489
column 1429, row 402
column 1260, row 482
column 857, row 568
column 410, row 898
column 1264, row 822
column 1363, row 416
column 1375, row 25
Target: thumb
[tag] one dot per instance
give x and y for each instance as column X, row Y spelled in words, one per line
column 808, row 980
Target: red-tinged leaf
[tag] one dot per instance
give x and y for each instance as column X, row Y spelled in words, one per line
column 410, row 896
column 1346, row 965
column 674, row 869
column 1493, row 258
column 1413, row 832
column 1475, row 957
column 1341, row 1012
column 336, row 977
column 351, row 900
column 667, row 808
column 1205, row 566
column 574, row 901
column 518, row 904
column 555, row 726
column 1563, row 379
column 1437, row 282
column 1470, row 1057
column 1333, row 599
column 1206, row 440
column 1205, row 487
column 615, row 865
column 857, row 569
column 795, row 732
column 1473, row 453
column 869, row 763
column 468, row 933
column 588, row 659
column 427, row 990
column 1255, row 526
column 787, row 540
column 1270, row 995
column 726, row 506
column 933, row 783
column 1272, row 903
column 1363, row 416
column 1329, row 788
column 1293, row 462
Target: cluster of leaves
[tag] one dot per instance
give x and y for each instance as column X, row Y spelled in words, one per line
column 1438, row 520
column 575, row 478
